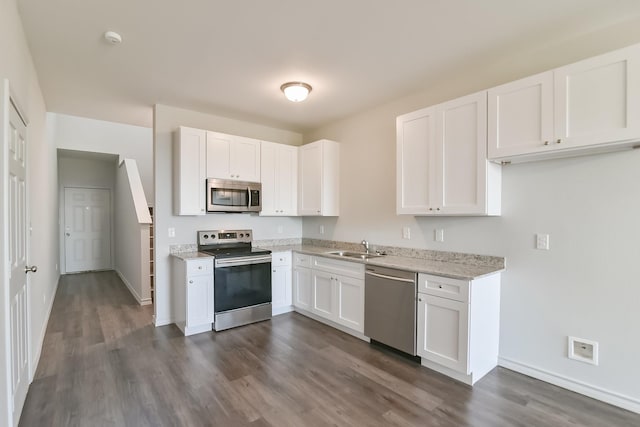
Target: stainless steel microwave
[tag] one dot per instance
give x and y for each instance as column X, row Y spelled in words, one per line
column 224, row 195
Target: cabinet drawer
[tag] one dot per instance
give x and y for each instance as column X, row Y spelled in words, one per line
column 301, row 260
column 454, row 289
column 279, row 259
column 198, row 267
column 352, row 269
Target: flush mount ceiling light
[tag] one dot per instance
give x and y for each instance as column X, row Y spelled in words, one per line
column 296, row 91
column 113, row 37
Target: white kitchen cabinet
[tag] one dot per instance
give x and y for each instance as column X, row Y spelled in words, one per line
column 193, row 294
column 442, row 166
column 458, row 325
column 443, row 328
column 323, row 294
column 302, row 282
column 281, row 289
column 520, row 116
column 587, row 107
column 350, row 302
column 415, row 161
column 337, row 292
column 319, row 179
column 279, row 177
column 189, row 162
column 232, row 157
column 597, row 100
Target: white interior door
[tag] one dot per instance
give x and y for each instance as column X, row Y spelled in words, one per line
column 87, row 229
column 18, row 290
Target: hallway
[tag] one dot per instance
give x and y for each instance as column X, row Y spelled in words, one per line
column 104, row 363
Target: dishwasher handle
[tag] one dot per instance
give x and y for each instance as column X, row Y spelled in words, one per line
column 384, row 276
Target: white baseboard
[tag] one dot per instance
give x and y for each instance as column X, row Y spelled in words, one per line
column 598, row 393
column 162, row 322
column 35, row 361
column 276, row 311
column 145, row 301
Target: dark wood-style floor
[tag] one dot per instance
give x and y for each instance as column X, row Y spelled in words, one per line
column 103, row 363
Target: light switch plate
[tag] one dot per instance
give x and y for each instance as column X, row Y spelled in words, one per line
column 171, row 232
column 406, row 233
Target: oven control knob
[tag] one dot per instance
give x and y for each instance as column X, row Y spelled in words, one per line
column 247, row 234
column 206, row 236
column 241, row 235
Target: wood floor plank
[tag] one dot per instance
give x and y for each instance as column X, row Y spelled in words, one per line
column 103, row 363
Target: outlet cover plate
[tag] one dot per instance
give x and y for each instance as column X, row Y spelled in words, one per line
column 583, row 350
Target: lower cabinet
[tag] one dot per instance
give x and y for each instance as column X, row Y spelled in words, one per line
column 302, row 281
column 458, row 325
column 281, row 291
column 335, row 290
column 193, row 294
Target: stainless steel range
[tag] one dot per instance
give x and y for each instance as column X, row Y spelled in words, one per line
column 242, row 277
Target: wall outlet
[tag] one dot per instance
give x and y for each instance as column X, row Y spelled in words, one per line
column 321, row 229
column 583, row 350
column 406, row 233
column 280, row 229
column 171, row 232
column 439, row 235
column 542, row 241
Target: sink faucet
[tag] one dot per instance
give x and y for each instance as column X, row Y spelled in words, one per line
column 366, row 245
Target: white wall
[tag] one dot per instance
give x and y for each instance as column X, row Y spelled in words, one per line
column 17, row 66
column 586, row 285
column 127, row 141
column 166, row 121
column 131, row 232
column 97, row 172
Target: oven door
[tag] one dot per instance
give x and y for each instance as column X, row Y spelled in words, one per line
column 233, row 196
column 242, row 282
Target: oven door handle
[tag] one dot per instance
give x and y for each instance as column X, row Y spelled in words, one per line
column 235, row 262
column 249, row 191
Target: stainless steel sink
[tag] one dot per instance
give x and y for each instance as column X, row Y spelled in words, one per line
column 357, row 255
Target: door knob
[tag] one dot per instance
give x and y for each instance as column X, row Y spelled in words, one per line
column 31, row 269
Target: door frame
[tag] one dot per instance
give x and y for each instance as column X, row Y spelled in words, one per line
column 62, row 213
column 7, row 101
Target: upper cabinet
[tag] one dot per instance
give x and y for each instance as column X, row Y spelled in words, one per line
column 442, row 166
column 319, row 179
column 233, row 157
column 279, row 177
column 589, row 106
column 189, row 171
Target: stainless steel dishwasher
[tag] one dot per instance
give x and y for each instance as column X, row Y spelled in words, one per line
column 390, row 307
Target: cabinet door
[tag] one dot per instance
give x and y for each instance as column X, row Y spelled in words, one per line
column 350, row 302
column 245, row 159
column 415, row 133
column 218, row 155
column 302, row 288
column 190, row 174
column 322, row 294
column 461, row 156
column 287, row 180
column 199, row 300
column 443, row 332
column 280, row 287
column 268, row 177
column 279, row 177
column 598, row 100
column 521, row 116
column 310, row 182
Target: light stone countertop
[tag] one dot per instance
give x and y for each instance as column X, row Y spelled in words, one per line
column 470, row 270
column 420, row 265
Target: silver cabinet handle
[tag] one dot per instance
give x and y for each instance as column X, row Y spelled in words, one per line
column 67, row 234
column 546, row 143
column 31, row 269
column 558, row 141
column 190, row 281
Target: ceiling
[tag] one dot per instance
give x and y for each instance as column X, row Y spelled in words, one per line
column 230, row 57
